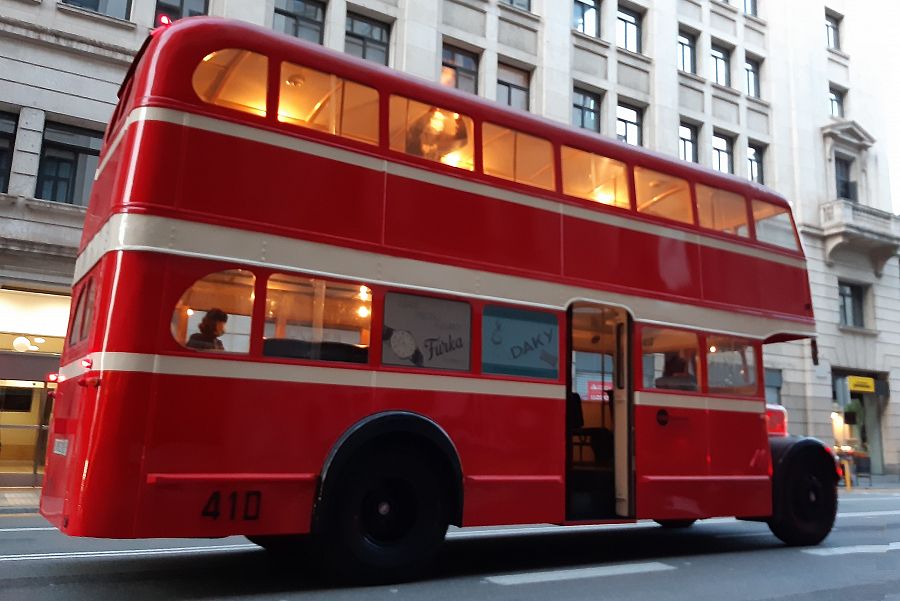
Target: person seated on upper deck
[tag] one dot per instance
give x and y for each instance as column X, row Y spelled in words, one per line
column 211, row 327
column 436, row 134
column 676, row 373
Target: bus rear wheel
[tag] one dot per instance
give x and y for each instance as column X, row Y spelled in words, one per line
column 387, row 518
column 808, row 504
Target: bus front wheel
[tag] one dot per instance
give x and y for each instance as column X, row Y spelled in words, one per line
column 387, row 518
column 808, row 503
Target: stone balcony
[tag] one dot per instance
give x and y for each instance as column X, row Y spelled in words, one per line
column 848, row 225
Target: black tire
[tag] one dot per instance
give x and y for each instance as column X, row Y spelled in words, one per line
column 386, row 518
column 674, row 524
column 806, row 509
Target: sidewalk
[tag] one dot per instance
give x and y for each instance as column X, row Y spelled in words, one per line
column 19, row 500
column 880, row 484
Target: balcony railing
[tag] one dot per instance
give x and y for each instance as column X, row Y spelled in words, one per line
column 851, row 226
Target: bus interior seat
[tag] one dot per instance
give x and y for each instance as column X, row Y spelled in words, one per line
column 324, row 351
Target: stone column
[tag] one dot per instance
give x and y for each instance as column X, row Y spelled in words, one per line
column 27, row 152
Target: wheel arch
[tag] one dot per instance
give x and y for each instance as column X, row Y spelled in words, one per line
column 388, row 428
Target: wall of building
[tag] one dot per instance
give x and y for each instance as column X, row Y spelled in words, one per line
column 61, row 64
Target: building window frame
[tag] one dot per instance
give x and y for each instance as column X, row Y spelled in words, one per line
column 56, row 154
column 8, row 125
column 687, row 52
column 688, row 135
column 178, row 9
column 851, row 307
column 95, row 6
column 455, row 62
column 752, row 69
column 720, row 65
column 368, row 42
column 845, row 186
column 586, row 17
column 833, row 30
column 722, row 153
column 511, row 92
column 836, row 100
column 629, row 127
column 299, row 20
column 586, row 107
column 755, row 158
column 629, row 29
column 520, row 4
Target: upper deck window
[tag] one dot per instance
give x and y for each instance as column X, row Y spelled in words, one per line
column 516, row 156
column 722, row 211
column 595, row 177
column 233, row 78
column 773, row 225
column 434, row 133
column 663, row 195
column 328, row 103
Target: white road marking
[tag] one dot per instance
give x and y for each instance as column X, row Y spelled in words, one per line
column 466, row 533
column 867, row 514
column 25, row 529
column 124, row 553
column 854, row 549
column 578, row 573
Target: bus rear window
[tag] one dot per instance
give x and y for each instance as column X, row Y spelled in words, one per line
column 233, row 78
column 663, row 195
column 518, row 157
column 773, row 225
column 432, row 133
column 84, row 314
column 722, row 211
column 594, row 177
column 328, row 103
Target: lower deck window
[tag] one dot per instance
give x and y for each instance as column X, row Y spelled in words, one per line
column 426, row 332
column 313, row 318
column 517, row 342
column 670, row 359
column 214, row 313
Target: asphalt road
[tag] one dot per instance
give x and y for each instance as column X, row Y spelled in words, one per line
column 717, row 559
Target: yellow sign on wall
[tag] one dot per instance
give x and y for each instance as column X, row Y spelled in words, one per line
column 861, row 384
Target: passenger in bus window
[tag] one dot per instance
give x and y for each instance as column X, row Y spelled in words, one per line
column 677, row 373
column 211, row 327
column 436, row 134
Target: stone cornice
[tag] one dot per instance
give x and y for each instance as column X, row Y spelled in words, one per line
column 74, row 42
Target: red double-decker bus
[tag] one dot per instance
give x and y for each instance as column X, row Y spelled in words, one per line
column 318, row 301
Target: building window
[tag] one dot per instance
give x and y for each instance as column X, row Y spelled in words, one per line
column 512, row 86
column 628, row 124
column 687, row 143
column 304, row 19
column 833, row 31
column 523, row 4
column 836, row 102
column 721, row 65
column 846, row 187
column 628, row 30
column 367, row 38
column 69, row 158
column 723, row 154
column 751, row 67
column 750, row 8
column 687, row 61
column 459, row 69
column 586, row 18
column 774, row 381
column 586, row 109
column 119, row 9
column 755, row 163
column 176, row 9
column 7, row 144
column 851, row 297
